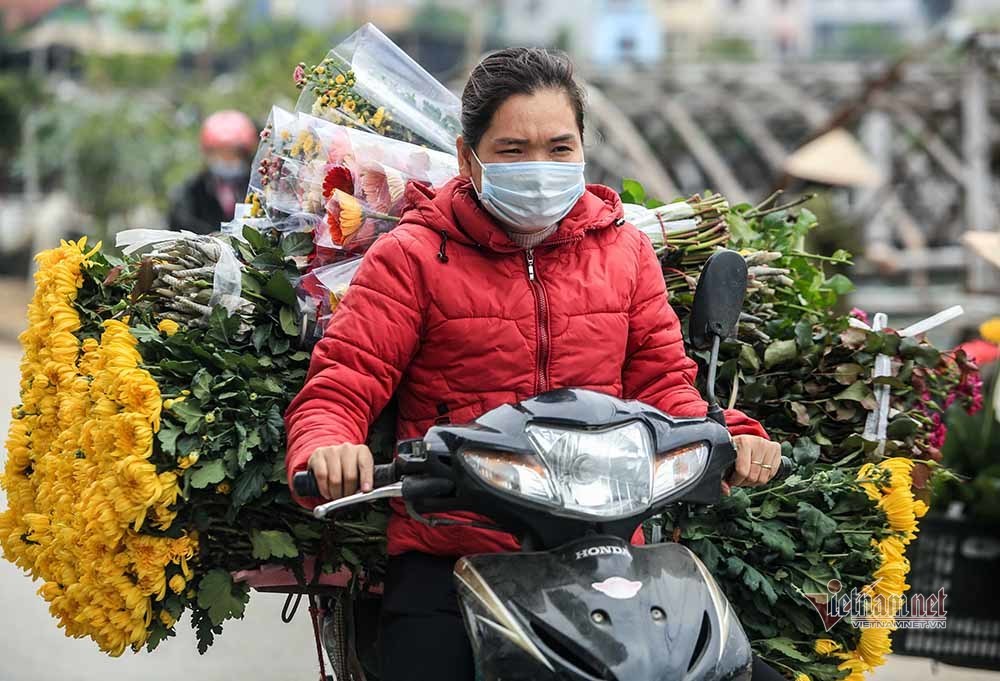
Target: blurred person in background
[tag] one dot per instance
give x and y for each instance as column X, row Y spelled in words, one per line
column 228, row 142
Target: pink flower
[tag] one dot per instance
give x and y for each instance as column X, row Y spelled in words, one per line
column 858, row 313
column 375, row 187
column 299, row 75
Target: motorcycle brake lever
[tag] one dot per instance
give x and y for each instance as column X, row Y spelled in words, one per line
column 388, row 492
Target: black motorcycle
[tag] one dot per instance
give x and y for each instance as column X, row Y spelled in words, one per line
column 572, row 473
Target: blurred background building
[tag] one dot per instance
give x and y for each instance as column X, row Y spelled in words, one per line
column 888, row 110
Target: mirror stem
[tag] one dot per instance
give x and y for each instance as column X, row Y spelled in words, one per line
column 715, row 412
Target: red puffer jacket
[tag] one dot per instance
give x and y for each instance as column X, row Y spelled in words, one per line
column 446, row 311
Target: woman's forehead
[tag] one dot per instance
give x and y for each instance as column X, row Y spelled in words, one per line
column 539, row 117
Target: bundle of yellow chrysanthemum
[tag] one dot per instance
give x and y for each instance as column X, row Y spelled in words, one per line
column 145, row 461
column 78, row 480
column 890, row 485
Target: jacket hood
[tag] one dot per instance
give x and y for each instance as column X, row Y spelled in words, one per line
column 454, row 209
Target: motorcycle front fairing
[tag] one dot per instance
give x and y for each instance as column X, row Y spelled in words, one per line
column 598, row 608
column 504, row 429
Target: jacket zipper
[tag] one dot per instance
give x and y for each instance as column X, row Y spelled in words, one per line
column 542, row 319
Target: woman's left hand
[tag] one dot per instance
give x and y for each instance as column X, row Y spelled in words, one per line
column 757, row 461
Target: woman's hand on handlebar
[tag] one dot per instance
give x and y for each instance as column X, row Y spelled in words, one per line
column 757, row 461
column 341, row 470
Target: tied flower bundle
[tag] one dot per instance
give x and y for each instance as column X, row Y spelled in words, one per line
column 851, row 510
column 203, row 380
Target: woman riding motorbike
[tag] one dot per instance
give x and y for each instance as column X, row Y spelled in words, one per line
column 512, row 279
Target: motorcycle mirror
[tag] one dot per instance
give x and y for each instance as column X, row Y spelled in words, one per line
column 718, row 299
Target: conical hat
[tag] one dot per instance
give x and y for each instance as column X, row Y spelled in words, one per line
column 984, row 244
column 834, row 158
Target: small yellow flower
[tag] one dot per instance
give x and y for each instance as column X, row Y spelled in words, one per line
column 177, row 584
column 802, row 677
column 209, row 417
column 990, row 330
column 340, row 80
column 223, row 488
column 825, row 646
column 168, row 326
column 171, row 403
column 167, row 620
column 187, row 461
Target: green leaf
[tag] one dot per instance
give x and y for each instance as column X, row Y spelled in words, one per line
column 157, row 635
column 901, row 428
column 220, row 597
column 839, row 284
column 280, row 288
column 249, row 485
column 272, row 544
column 856, row 392
column 846, row 374
column 801, row 413
column 207, row 473
column 187, row 411
column 168, row 438
column 201, row 386
column 254, row 238
column 261, row 334
column 773, row 534
column 748, row 358
column 297, row 243
column 770, row 508
column 779, row 352
column 289, row 321
column 786, row 647
column 815, row 525
column 803, row 334
column 144, row 333
column 755, row 581
column 805, row 451
column 634, row 190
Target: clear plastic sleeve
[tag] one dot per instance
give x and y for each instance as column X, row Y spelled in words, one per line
column 319, row 293
column 367, row 82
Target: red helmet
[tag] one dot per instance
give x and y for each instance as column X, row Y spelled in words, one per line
column 230, row 128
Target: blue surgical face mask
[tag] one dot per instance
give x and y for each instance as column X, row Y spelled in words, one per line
column 530, row 196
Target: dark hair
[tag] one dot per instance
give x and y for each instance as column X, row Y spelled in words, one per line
column 515, row 71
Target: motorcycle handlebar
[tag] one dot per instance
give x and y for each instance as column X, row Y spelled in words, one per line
column 305, row 485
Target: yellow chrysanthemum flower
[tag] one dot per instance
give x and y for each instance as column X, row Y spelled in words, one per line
column 802, row 677
column 874, row 646
column 856, row 667
column 990, row 330
column 177, row 584
column 825, row 646
column 899, row 509
column 168, row 326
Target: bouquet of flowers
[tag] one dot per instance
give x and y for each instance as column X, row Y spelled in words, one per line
column 146, row 459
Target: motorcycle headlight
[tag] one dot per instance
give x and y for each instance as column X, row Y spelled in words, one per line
column 605, row 474
column 677, row 467
column 522, row 474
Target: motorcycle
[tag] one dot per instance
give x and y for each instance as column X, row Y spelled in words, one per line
column 572, row 473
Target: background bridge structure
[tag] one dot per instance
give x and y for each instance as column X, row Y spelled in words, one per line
column 930, row 131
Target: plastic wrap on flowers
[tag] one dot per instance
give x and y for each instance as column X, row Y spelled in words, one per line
column 369, row 83
column 343, row 185
column 319, row 292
